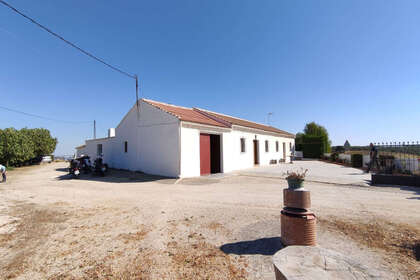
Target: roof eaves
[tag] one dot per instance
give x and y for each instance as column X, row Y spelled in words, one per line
column 278, row 131
column 160, row 108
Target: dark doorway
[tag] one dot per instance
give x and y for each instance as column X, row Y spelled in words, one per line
column 210, row 157
column 256, row 153
column 215, row 153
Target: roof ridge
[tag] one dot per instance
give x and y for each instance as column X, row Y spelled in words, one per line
column 150, row 102
column 207, row 115
column 263, row 126
column 235, row 117
column 167, row 104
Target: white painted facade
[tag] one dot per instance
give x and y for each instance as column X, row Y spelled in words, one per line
column 160, row 143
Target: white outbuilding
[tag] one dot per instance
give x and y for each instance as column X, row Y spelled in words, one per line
column 174, row 141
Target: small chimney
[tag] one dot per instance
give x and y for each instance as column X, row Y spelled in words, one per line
column 111, row 132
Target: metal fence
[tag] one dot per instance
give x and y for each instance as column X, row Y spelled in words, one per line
column 399, row 157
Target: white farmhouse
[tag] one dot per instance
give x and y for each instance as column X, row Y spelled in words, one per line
column 168, row 140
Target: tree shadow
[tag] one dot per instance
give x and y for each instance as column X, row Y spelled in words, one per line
column 116, row 176
column 264, row 246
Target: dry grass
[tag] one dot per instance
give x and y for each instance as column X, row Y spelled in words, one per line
column 399, row 243
column 202, row 260
column 135, row 236
column 33, row 228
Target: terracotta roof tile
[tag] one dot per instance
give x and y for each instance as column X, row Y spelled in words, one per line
column 185, row 114
column 245, row 123
column 201, row 116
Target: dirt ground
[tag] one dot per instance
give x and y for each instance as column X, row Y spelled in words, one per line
column 132, row 226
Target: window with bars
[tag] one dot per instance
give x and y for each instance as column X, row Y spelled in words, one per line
column 242, row 145
column 99, row 150
column 266, row 146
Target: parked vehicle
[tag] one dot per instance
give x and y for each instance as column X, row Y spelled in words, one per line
column 85, row 164
column 46, row 159
column 74, row 168
column 99, row 167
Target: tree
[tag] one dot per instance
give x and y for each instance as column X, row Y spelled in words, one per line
column 44, row 144
column 299, row 141
column 314, row 129
column 19, row 146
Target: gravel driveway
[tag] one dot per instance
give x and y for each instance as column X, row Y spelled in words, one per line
column 131, row 226
column 318, row 171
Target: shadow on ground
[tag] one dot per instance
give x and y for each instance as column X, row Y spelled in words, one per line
column 414, row 190
column 117, row 176
column 264, row 246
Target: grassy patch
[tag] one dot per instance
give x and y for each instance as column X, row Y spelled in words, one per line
column 400, row 243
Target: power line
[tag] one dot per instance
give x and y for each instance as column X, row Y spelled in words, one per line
column 42, row 117
column 68, row 42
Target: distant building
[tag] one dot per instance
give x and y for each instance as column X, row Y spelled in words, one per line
column 347, row 145
column 176, row 141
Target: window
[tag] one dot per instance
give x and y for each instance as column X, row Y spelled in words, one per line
column 266, row 146
column 99, row 150
column 277, row 146
column 125, row 146
column 290, row 146
column 242, row 145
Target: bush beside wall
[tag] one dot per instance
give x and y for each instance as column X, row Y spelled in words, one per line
column 313, row 146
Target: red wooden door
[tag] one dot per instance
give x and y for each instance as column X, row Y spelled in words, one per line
column 205, row 160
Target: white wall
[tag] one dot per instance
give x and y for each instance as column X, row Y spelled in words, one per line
column 107, row 149
column 152, row 142
column 236, row 160
column 159, row 144
column 232, row 158
column 190, row 152
column 346, row 157
column 190, row 147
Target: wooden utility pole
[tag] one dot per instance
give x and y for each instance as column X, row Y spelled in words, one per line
column 94, row 129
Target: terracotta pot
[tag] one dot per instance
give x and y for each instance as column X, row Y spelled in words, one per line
column 298, row 228
column 299, row 198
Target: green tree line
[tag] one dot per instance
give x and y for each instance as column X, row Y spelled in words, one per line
column 314, row 141
column 19, row 146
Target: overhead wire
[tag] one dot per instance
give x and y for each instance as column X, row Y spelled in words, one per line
column 133, row 76
column 66, row 41
column 43, row 117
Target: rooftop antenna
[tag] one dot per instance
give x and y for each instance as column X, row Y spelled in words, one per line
column 268, row 117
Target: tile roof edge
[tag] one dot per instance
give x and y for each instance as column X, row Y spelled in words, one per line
column 205, row 110
column 150, row 102
column 285, row 132
column 204, row 113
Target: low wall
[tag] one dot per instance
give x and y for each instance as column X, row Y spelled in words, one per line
column 400, row 180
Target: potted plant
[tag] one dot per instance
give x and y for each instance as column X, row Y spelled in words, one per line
column 295, row 178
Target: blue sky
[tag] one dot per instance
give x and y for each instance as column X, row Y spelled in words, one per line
column 352, row 66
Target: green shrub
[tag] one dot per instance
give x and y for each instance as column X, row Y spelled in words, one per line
column 334, row 157
column 357, row 160
column 313, row 146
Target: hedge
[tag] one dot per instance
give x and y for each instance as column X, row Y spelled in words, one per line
column 313, row 146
